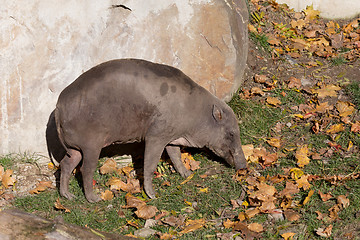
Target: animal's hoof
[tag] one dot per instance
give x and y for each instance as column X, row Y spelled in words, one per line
column 67, row 195
column 186, row 173
column 151, row 194
column 93, row 198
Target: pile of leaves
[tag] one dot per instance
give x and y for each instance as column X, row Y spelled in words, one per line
column 304, row 34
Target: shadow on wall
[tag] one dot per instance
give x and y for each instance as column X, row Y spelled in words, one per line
column 57, row 152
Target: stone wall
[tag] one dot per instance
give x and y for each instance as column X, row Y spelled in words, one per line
column 45, row 45
column 332, row 9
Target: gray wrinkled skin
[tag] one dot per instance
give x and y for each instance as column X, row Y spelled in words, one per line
column 130, row 100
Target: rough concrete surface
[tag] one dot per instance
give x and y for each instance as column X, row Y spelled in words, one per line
column 332, row 9
column 45, row 45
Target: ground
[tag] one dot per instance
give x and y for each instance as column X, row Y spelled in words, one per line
column 299, row 118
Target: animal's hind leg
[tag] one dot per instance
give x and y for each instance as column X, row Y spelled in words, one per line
column 67, row 165
column 90, row 160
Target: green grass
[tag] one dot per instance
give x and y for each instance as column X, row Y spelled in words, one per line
column 353, row 90
column 338, row 61
column 261, row 40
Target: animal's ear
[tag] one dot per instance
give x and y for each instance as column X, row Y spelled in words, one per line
column 217, row 113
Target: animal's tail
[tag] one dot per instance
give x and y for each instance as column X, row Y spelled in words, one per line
column 59, row 131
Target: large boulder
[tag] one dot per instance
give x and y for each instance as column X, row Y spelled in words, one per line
column 45, row 45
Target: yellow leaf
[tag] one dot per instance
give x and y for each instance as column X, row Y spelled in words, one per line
column 275, row 142
column 251, row 28
column 252, row 212
column 288, row 235
column 307, row 199
column 193, row 225
column 242, row 216
column 335, row 129
column 109, row 166
column 255, row 227
column 344, row 108
column 303, row 182
column 310, row 13
column 228, row 223
column 41, row 186
column 350, row 145
column 301, row 156
column 187, row 179
column 298, row 115
column 204, row 190
column 273, row 101
column 107, row 195
column 328, row 91
column 296, row 173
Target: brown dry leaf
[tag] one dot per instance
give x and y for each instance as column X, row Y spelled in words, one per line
column 273, row 101
column 272, row 40
column 229, row 224
column 256, row 91
column 252, row 212
column 294, row 82
column 255, row 227
column 310, row 13
column 307, row 199
column 126, row 170
column 251, row 28
column 291, row 215
column 192, row 225
column 269, row 159
column 303, row 182
column 189, row 161
column 6, row 178
column 288, row 235
column 321, row 216
column 323, row 107
column 264, row 191
column 345, row 108
column 268, row 205
column 324, row 232
column 133, row 202
column 146, row 211
column 327, row 91
column 300, row 24
column 355, row 127
column 174, row 221
column 248, row 235
column 343, row 201
column 166, row 236
column 116, row 184
column 59, row 206
column 275, row 142
column 301, row 156
column 289, row 189
column 333, row 212
column 260, row 78
column 41, row 186
column 241, row 216
column 325, row 196
column 109, row 166
column 335, row 129
column 107, row 195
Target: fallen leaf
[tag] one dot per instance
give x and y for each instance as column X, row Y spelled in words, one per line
column 174, row 221
column 291, row 215
column 255, row 227
column 343, row 201
column 107, row 195
column 229, row 224
column 335, row 128
column 294, row 82
column 323, row 107
column 303, row 182
column 133, row 202
column 324, row 232
column 288, row 235
column 256, row 91
column 275, row 142
column 328, row 91
column 345, row 108
column 6, row 178
column 192, row 225
column 109, row 166
column 325, row 196
column 260, row 78
column 252, row 212
column 301, row 156
column 146, row 211
column 273, row 101
column 310, row 13
column 41, row 186
column 307, row 199
column 249, row 235
column 289, row 189
column 355, row 127
column 248, row 150
column 59, row 206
